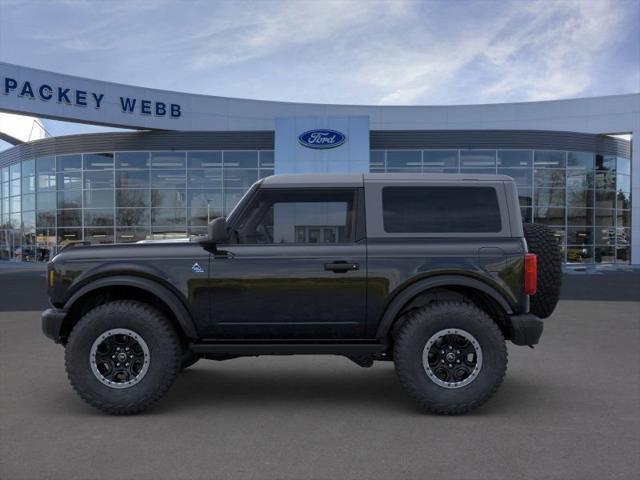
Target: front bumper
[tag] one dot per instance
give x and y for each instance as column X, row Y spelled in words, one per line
column 52, row 319
column 525, row 329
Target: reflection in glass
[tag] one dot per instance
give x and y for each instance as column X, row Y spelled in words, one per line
column 133, row 198
column 132, row 216
column 139, row 160
column 549, row 159
column 168, row 160
column 98, row 217
column 97, row 161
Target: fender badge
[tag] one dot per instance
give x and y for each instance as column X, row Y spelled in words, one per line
column 197, row 268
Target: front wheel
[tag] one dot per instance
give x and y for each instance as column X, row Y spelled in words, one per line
column 450, row 356
column 122, row 357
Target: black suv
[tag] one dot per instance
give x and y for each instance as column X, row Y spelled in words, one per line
column 431, row 272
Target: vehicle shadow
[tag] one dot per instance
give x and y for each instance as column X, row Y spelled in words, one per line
column 315, row 390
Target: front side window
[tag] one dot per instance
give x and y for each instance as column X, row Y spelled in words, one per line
column 441, row 210
column 284, row 217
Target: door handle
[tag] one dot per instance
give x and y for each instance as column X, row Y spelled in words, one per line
column 341, row 267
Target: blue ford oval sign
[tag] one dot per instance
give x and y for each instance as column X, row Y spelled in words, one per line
column 322, row 138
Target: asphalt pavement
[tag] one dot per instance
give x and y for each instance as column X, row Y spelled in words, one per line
column 570, row 409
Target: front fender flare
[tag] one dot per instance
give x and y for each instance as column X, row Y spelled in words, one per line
column 401, row 299
column 165, row 295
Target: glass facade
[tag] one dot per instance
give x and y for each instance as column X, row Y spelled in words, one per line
column 584, row 197
column 119, row 197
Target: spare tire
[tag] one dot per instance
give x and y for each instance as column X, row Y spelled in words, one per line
column 541, row 241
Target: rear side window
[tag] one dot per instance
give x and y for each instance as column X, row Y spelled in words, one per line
column 440, row 210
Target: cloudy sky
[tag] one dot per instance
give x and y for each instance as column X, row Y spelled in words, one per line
column 336, row 51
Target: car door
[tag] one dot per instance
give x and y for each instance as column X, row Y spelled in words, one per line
column 297, row 269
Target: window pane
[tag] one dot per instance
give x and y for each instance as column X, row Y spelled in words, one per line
column 580, row 198
column 14, row 187
column 623, row 183
column 549, row 159
column 98, row 199
column 549, row 197
column 515, row 158
column 14, row 204
column 29, row 202
column 623, row 218
column 605, row 235
column 209, row 178
column 69, row 162
column 303, row 217
column 168, row 198
column 522, row 176
column 98, row 161
column 605, row 199
column 605, row 218
column 99, row 235
column 376, row 159
column 69, row 218
column 47, row 181
column 28, row 168
column 548, row 215
column 133, row 198
column 623, row 200
column 549, row 178
column 5, row 174
column 70, row 199
column 98, row 179
column 168, row 217
column 168, row 178
column 582, row 160
column 239, row 178
column 66, row 235
column 168, row 160
column 579, row 216
column 129, row 235
column 95, row 217
column 28, row 184
column 29, row 220
column 138, row 160
column 204, row 159
column 240, row 159
column 477, row 158
column 605, row 255
column 580, row 236
column 202, row 198
column 525, row 197
column 132, row 178
column 579, row 179
column 45, row 165
column 624, row 165
column 266, row 159
column 605, row 163
column 440, row 209
column 404, row 159
column 445, row 161
column 69, row 180
column 46, row 219
column 45, row 200
column 133, row 216
column 579, row 254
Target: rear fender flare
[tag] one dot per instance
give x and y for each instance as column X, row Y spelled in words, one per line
column 404, row 296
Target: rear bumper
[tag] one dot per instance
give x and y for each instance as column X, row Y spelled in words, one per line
column 52, row 320
column 525, row 329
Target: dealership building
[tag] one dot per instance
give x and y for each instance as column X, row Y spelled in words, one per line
column 188, row 158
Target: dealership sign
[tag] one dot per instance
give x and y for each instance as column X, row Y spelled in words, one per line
column 322, row 138
column 65, row 95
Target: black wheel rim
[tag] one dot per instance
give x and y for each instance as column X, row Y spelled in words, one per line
column 119, row 358
column 452, row 358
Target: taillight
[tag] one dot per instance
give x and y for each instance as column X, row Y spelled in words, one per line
column 530, row 273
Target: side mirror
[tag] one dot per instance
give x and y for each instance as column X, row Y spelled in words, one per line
column 217, row 230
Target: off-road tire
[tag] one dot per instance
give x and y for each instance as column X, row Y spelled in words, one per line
column 541, row 241
column 415, row 331
column 164, row 359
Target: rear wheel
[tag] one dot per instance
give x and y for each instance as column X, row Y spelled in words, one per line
column 450, row 356
column 122, row 357
column 540, row 240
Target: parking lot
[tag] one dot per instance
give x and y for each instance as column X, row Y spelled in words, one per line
column 570, row 409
